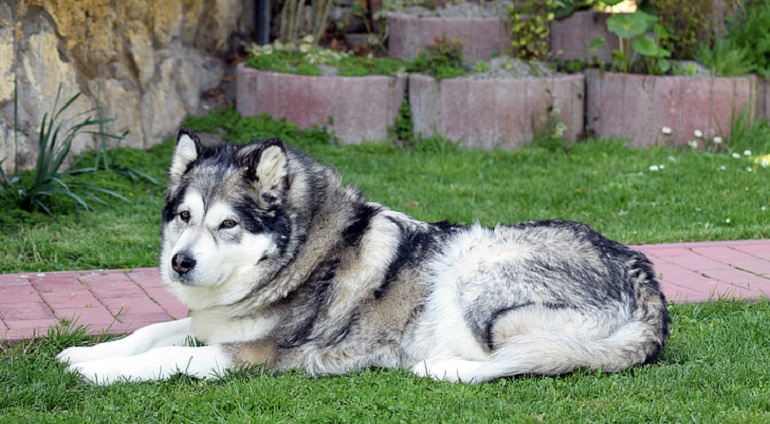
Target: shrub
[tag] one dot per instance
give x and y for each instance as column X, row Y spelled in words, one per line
column 689, row 23
column 444, row 59
column 748, row 29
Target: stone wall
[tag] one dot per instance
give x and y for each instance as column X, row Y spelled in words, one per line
column 145, row 63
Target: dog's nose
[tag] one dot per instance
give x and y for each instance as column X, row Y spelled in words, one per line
column 182, row 262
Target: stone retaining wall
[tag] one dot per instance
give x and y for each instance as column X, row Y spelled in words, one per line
column 147, row 61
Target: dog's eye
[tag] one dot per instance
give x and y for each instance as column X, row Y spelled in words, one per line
column 228, row 223
column 184, row 216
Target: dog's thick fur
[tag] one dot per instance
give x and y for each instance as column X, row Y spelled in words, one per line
column 283, row 265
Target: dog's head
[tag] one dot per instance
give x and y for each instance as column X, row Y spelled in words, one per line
column 225, row 224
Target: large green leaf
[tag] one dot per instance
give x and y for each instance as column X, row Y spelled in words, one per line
column 648, row 47
column 628, row 25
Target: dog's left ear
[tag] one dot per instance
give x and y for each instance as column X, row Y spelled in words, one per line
column 267, row 166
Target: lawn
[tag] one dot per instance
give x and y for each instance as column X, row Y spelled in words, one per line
column 715, row 367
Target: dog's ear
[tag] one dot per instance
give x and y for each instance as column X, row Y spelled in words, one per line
column 266, row 166
column 188, row 148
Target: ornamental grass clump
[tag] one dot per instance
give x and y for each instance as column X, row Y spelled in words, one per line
column 39, row 189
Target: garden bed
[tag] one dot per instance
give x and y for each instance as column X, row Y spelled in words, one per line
column 354, row 108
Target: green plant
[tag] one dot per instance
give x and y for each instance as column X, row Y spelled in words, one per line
column 443, row 59
column 723, row 59
column 32, row 192
column 530, row 23
column 747, row 29
column 297, row 21
column 404, row 129
column 691, row 24
column 631, row 29
column 305, row 58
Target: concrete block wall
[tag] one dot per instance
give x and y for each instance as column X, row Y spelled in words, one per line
column 481, row 37
column 638, row 107
column 495, row 112
column 355, row 108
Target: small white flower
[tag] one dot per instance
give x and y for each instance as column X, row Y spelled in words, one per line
column 749, row 169
column 717, row 140
column 736, row 155
column 693, row 144
column 672, row 159
column 723, row 168
column 747, row 153
column 727, row 220
column 654, row 168
column 698, row 134
column 661, row 166
column 763, row 208
column 665, row 130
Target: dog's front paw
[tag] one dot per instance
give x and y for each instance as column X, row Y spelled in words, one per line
column 100, row 371
column 452, row 370
column 75, row 355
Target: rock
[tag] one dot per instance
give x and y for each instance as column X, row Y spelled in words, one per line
column 145, row 63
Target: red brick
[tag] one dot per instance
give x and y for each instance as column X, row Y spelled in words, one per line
column 757, row 250
column 120, row 287
column 10, row 295
column 686, row 259
column 56, row 281
column 70, row 299
column 26, row 311
column 136, row 309
column 11, row 280
column 146, row 277
column 84, row 316
column 737, row 277
column 36, row 327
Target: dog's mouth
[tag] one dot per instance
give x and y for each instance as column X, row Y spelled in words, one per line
column 194, row 279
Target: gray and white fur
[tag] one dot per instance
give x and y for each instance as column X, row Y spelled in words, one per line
column 283, row 265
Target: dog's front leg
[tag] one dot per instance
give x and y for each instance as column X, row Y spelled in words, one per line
column 157, row 364
column 171, row 333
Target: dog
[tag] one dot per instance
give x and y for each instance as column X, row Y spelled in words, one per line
column 284, row 266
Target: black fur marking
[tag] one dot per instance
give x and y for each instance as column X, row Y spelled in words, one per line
column 172, row 203
column 411, row 248
column 490, row 324
column 308, row 302
column 338, row 336
column 360, row 221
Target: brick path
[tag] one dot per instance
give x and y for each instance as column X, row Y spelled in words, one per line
column 120, row 301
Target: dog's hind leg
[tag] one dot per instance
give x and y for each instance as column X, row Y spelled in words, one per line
column 171, row 333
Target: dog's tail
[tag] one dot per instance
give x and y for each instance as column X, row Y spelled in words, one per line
column 638, row 341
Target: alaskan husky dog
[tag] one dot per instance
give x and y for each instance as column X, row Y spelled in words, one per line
column 283, row 265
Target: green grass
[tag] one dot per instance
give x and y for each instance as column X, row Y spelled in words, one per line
column 715, row 369
column 694, row 197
